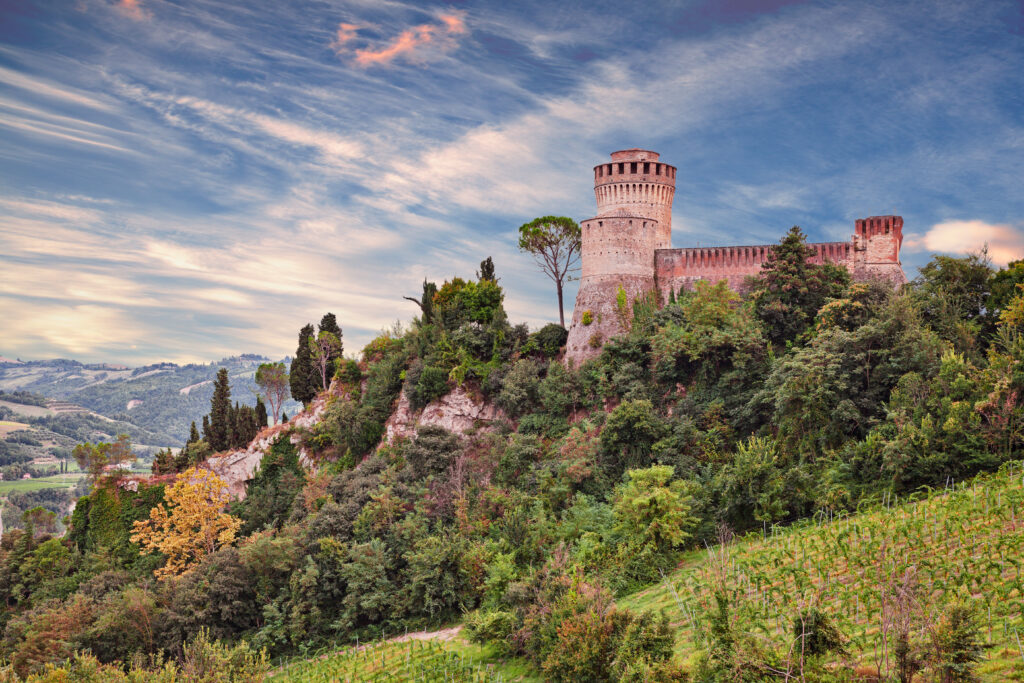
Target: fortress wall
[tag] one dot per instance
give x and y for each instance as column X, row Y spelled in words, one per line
column 682, row 267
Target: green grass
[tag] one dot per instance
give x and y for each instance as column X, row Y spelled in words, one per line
column 965, row 542
column 56, row 481
column 412, row 660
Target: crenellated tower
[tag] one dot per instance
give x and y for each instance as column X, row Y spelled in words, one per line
column 634, row 195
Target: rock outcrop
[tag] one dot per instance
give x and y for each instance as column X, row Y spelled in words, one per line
column 457, row 411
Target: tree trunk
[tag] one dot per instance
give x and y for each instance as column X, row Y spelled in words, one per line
column 561, row 312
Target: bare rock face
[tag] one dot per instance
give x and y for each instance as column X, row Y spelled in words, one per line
column 457, row 411
column 236, row 468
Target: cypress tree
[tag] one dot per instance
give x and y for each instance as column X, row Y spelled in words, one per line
column 220, row 412
column 261, row 413
column 206, row 428
column 486, row 271
column 330, row 324
column 284, row 417
column 193, row 435
column 301, row 377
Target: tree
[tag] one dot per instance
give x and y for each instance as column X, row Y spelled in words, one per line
column 330, row 324
column 486, row 271
column 220, row 413
column 193, row 434
column 190, row 524
column 652, row 508
column 425, row 302
column 261, row 413
column 272, row 379
column 791, row 290
column 322, row 349
column 95, row 459
column 302, row 377
column 554, row 242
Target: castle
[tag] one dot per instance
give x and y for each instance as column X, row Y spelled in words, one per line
column 629, row 245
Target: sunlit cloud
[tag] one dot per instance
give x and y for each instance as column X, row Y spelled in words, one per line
column 132, row 9
column 410, row 42
column 1004, row 243
column 345, row 34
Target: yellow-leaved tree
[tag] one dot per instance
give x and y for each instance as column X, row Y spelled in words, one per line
column 192, row 523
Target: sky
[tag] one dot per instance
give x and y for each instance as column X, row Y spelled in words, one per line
column 187, row 180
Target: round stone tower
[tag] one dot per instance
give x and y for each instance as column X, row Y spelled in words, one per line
column 634, row 200
column 637, row 182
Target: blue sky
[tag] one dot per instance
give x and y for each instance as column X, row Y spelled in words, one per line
column 187, row 180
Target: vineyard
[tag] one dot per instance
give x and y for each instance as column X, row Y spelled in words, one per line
column 961, row 542
column 411, row 661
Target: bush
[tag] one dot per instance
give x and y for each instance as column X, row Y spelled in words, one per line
column 426, row 385
column 434, row 449
column 490, row 626
column 547, row 341
column 519, row 392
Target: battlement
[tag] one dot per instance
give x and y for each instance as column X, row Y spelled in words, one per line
column 634, row 171
column 675, row 268
column 879, row 225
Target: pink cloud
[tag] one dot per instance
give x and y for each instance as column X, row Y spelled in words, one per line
column 1004, row 242
column 408, row 43
column 132, row 8
column 346, row 33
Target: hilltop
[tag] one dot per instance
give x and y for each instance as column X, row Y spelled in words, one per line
column 161, row 398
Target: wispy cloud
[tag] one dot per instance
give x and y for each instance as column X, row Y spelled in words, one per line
column 133, row 9
column 411, row 44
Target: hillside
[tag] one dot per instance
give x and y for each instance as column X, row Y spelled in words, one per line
column 964, row 541
column 461, row 470
column 162, row 399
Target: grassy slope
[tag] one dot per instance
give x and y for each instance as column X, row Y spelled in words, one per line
column 413, row 660
column 967, row 542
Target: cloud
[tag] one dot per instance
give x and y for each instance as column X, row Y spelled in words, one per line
column 132, row 8
column 409, row 42
column 1005, row 243
column 38, row 86
column 346, row 33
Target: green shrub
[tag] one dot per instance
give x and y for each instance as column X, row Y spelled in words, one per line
column 490, row 626
column 588, row 317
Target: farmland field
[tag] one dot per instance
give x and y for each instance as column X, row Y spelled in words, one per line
column 6, row 427
column 963, row 542
column 411, row 660
column 57, row 481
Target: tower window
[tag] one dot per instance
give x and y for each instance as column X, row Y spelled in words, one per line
column 647, row 167
column 632, row 167
column 622, row 167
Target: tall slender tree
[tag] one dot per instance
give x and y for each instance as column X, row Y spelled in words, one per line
column 261, row 412
column 193, row 435
column 322, row 348
column 329, row 323
column 220, row 412
column 554, row 242
column 301, row 376
column 425, row 302
column 486, row 271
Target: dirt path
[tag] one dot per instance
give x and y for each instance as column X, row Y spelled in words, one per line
column 444, row 635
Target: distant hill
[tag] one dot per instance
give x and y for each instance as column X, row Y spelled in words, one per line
column 162, row 399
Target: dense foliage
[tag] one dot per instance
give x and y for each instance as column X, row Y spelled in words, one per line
column 807, row 395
